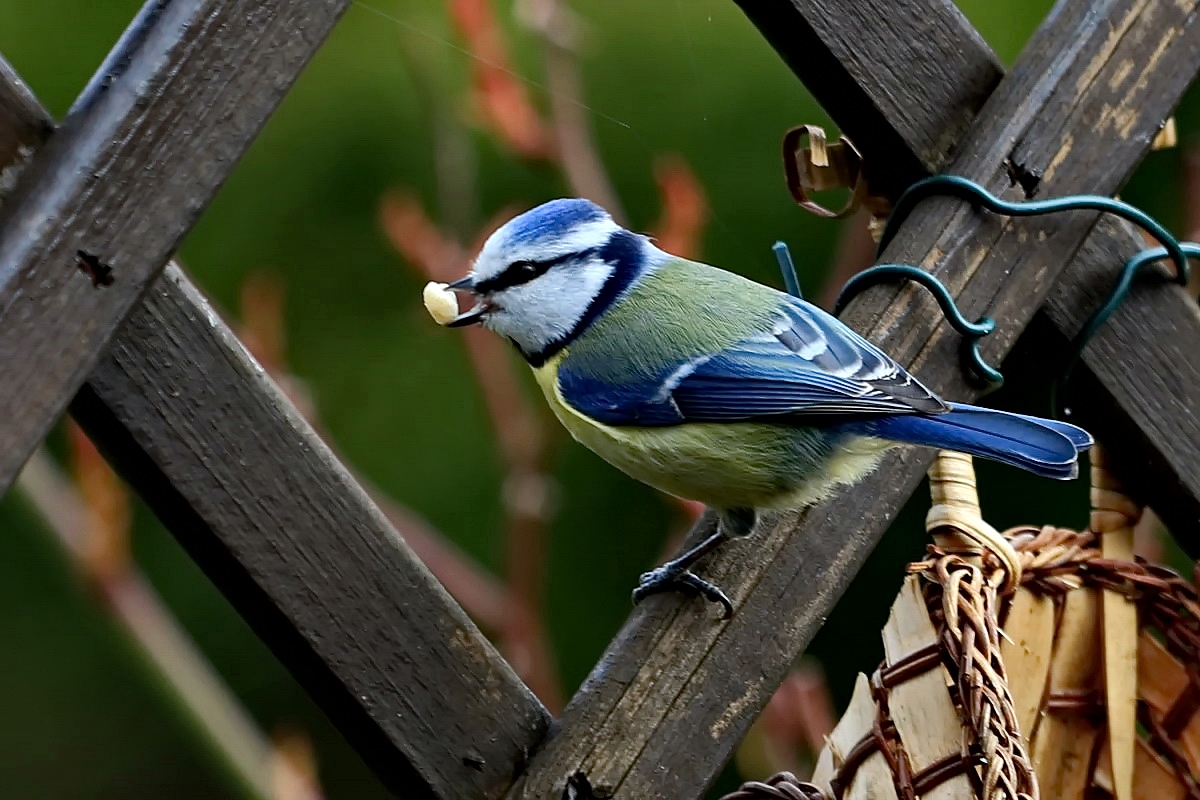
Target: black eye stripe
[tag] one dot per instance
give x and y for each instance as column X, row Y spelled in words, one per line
column 624, row 254
column 524, row 271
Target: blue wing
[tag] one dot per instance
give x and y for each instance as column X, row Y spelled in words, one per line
column 806, row 364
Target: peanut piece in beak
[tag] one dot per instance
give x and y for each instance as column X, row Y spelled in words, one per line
column 440, row 302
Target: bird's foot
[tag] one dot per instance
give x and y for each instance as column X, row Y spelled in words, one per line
column 671, row 577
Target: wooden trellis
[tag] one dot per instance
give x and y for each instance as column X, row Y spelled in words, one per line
column 277, row 523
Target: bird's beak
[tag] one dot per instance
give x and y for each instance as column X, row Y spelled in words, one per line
column 468, row 317
column 475, row 314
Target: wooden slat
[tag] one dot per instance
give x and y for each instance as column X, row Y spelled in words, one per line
column 929, row 725
column 1026, row 651
column 902, row 78
column 24, row 125
column 1136, row 378
column 272, row 517
column 263, row 506
column 873, row 779
column 1156, row 780
column 1113, row 517
column 1062, row 747
column 1161, row 680
column 676, row 681
column 905, row 104
column 139, row 156
column 1118, row 614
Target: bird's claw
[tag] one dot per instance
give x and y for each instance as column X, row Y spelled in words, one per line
column 664, row 579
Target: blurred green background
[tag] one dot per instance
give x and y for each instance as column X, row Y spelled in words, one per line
column 80, row 715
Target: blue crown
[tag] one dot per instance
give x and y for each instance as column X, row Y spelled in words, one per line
column 553, row 219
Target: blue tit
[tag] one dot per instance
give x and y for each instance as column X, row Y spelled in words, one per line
column 712, row 387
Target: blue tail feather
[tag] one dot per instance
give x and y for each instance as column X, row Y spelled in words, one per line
column 1078, row 436
column 1044, row 447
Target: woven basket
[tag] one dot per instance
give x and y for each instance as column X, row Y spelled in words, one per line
column 1041, row 662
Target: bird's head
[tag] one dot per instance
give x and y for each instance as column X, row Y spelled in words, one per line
column 547, row 274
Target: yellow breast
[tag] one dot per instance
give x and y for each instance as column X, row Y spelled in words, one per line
column 724, row 465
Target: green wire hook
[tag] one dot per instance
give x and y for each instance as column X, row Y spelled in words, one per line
column 966, row 189
column 972, row 332
column 1133, row 267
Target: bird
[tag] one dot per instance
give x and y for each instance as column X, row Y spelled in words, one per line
column 710, row 386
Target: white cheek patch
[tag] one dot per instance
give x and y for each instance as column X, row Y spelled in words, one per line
column 548, row 308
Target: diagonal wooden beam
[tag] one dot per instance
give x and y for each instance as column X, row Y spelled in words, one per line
column 205, row 437
column 100, row 209
column 283, row 530
column 902, row 78
column 910, row 107
column 676, row 689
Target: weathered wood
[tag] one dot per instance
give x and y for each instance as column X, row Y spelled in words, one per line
column 901, row 78
column 1136, row 377
column 261, row 504
column 24, row 126
column 1081, row 106
column 96, row 215
column 271, row 516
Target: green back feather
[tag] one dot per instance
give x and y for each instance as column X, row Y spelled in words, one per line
column 682, row 310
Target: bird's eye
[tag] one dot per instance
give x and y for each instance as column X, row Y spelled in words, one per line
column 524, row 268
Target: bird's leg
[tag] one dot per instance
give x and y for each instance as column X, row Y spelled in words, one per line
column 675, row 576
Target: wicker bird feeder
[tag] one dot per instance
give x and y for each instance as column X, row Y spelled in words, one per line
column 1038, row 663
